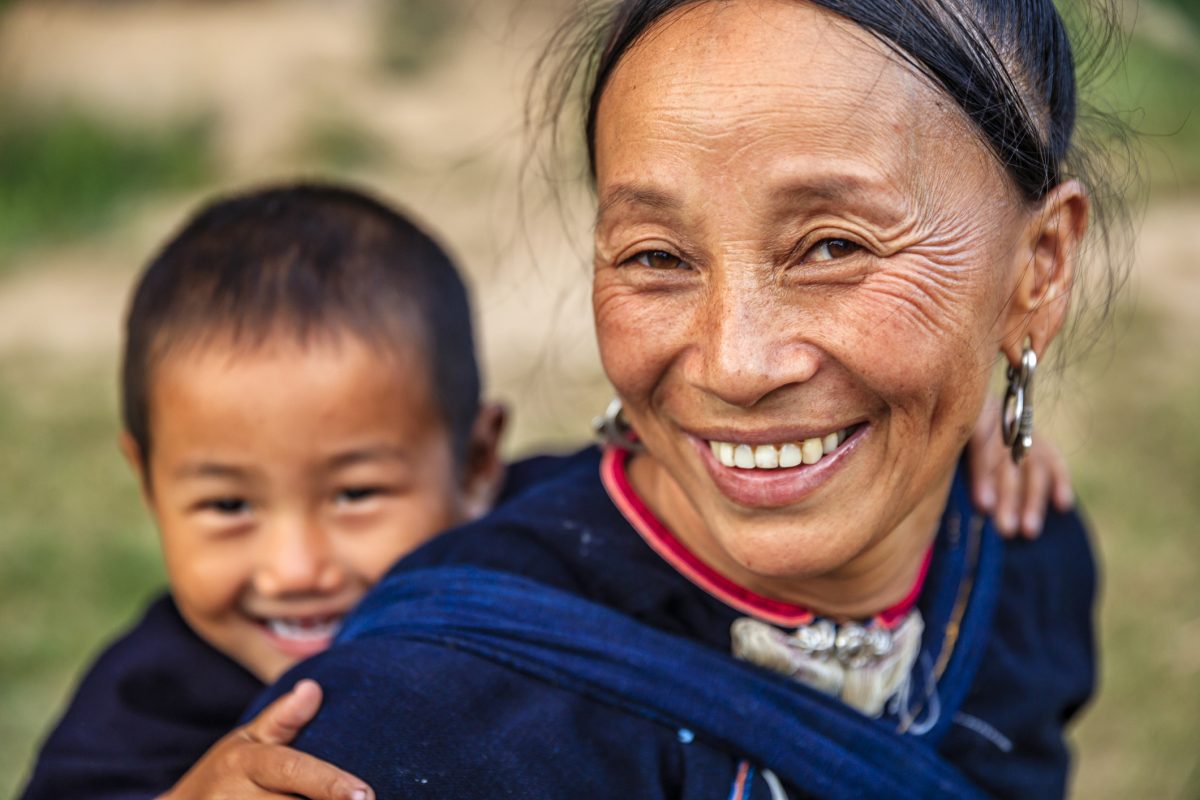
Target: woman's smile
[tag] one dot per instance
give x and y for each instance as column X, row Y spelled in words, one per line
column 775, row 468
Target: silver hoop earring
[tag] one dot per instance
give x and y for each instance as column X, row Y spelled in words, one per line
column 612, row 429
column 1016, row 422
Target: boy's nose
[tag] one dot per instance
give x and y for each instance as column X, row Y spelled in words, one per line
column 297, row 558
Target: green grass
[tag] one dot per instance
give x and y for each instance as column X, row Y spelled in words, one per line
column 77, row 555
column 412, row 33
column 67, row 174
column 1138, row 476
column 1158, row 92
column 338, row 145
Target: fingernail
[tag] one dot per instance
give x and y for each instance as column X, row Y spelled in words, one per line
column 1033, row 525
column 987, row 497
column 1008, row 522
column 359, row 794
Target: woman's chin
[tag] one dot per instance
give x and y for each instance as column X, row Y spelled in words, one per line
column 786, row 553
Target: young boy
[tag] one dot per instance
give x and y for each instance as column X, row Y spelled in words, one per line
column 301, row 407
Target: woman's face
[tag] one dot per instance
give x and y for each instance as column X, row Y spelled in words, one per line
column 803, row 253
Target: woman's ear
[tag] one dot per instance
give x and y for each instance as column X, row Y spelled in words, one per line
column 483, row 470
column 1040, row 298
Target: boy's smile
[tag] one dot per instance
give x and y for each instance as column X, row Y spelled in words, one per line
column 286, row 478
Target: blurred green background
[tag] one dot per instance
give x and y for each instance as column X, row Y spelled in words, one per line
column 117, row 117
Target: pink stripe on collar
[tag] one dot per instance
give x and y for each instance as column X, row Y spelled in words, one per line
column 663, row 542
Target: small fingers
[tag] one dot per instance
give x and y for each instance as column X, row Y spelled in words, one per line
column 1035, row 480
column 1062, row 493
column 1008, row 498
column 289, row 772
column 279, row 722
column 985, row 456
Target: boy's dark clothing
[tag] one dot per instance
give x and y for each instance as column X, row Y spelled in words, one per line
column 159, row 697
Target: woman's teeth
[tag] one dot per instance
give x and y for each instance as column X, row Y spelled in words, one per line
column 778, row 456
column 305, row 630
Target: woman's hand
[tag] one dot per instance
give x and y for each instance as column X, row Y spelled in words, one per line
column 1015, row 496
column 254, row 761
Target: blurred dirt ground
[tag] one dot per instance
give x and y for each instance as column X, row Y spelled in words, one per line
column 304, row 88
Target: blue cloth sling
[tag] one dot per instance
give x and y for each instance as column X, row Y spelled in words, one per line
column 810, row 741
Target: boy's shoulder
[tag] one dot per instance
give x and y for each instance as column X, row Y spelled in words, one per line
column 148, row 707
column 534, row 472
column 561, row 529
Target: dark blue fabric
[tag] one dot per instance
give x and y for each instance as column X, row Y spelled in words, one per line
column 808, row 739
column 419, row 716
column 151, row 705
column 160, row 696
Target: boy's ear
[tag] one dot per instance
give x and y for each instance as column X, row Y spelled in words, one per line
column 483, row 473
column 1040, row 298
column 133, row 457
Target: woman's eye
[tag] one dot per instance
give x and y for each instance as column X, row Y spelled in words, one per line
column 658, row 259
column 831, row 249
column 227, row 506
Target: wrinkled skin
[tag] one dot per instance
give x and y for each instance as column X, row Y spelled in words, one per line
column 798, row 234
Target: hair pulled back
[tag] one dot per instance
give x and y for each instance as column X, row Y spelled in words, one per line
column 1009, row 65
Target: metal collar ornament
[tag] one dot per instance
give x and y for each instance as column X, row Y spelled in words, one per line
column 862, row 664
column 1017, row 415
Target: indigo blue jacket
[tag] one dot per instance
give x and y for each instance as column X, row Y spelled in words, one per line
column 547, row 651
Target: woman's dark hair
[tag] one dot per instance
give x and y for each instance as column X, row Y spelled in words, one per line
column 308, row 260
column 1008, row 64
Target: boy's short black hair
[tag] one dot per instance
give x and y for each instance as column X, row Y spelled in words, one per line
column 309, row 259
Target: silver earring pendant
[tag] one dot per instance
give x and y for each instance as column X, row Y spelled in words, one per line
column 613, row 430
column 1016, row 421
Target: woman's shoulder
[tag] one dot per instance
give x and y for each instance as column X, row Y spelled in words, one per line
column 468, row 727
column 1039, row 669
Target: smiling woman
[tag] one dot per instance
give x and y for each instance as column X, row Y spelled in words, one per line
column 819, row 227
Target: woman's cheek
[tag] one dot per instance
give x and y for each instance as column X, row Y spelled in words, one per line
column 638, row 334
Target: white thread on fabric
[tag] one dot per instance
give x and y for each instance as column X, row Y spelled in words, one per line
column 984, row 729
column 775, row 785
column 901, row 705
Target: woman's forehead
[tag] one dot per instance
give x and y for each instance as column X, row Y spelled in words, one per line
column 781, row 83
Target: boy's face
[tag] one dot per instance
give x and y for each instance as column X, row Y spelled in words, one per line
column 286, row 479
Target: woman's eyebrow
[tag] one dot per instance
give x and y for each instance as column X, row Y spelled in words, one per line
column 633, row 194
column 869, row 196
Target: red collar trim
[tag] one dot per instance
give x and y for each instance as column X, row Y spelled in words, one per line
column 674, row 552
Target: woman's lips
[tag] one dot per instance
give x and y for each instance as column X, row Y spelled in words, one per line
column 777, row 475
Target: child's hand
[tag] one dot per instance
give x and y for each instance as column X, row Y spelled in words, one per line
column 1015, row 496
column 254, row 762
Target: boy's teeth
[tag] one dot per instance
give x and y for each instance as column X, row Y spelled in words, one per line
column 777, row 456
column 304, row 629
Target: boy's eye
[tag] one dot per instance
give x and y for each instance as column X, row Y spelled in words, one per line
column 658, row 259
column 357, row 494
column 228, row 506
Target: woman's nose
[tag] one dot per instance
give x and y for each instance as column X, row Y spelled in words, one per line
column 296, row 558
column 750, row 346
